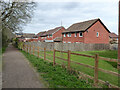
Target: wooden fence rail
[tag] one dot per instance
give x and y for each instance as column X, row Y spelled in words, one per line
column 31, row 50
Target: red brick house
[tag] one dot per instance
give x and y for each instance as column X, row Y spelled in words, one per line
column 91, row 31
column 40, row 36
column 113, row 38
column 53, row 35
column 25, row 36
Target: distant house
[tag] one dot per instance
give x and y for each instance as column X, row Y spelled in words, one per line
column 91, row 31
column 53, row 35
column 25, row 36
column 40, row 36
column 18, row 35
column 113, row 38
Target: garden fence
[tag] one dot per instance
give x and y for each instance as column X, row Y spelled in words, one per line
column 32, row 50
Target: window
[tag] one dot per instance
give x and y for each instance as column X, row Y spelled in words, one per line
column 64, row 35
column 51, row 35
column 48, row 36
column 69, row 42
column 80, row 34
column 64, row 42
column 75, row 34
column 69, row 34
column 97, row 34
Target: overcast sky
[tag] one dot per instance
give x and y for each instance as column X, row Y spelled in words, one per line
column 49, row 15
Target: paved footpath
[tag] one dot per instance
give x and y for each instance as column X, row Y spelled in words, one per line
column 17, row 72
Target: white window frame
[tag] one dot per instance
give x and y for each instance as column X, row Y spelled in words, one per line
column 48, row 36
column 69, row 34
column 64, row 34
column 97, row 34
column 79, row 34
column 75, row 34
column 51, row 35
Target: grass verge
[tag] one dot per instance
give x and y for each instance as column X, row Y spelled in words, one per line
column 3, row 49
column 56, row 76
column 110, row 66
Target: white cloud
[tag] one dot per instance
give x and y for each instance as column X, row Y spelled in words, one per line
column 49, row 15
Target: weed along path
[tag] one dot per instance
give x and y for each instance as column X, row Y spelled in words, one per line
column 17, row 72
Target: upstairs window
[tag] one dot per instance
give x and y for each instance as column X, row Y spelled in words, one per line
column 69, row 34
column 97, row 34
column 48, row 36
column 75, row 34
column 80, row 34
column 51, row 35
column 64, row 35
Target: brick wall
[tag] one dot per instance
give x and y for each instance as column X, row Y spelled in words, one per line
column 56, row 34
column 73, row 39
column 91, row 35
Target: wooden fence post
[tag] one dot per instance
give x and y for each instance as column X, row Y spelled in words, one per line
column 27, row 48
column 33, row 50
column 30, row 49
column 38, row 51
column 96, row 70
column 69, row 59
column 54, row 57
column 44, row 53
column 24, row 47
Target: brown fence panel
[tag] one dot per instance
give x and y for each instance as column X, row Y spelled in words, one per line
column 83, row 55
column 61, row 58
column 109, row 59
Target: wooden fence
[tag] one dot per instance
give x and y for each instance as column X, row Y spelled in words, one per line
column 28, row 48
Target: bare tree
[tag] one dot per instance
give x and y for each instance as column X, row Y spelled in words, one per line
column 13, row 15
column 16, row 14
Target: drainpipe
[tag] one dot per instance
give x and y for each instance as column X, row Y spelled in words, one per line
column 119, row 46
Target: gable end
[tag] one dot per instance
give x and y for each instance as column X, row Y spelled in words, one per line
column 101, row 23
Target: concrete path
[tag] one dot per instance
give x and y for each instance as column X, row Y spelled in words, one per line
column 17, row 72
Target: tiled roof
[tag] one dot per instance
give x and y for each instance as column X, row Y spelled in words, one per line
column 51, row 31
column 82, row 26
column 113, row 35
column 41, row 33
column 28, row 35
column 58, row 39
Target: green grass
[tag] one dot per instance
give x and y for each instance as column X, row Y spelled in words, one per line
column 108, row 54
column 3, row 49
column 89, row 61
column 56, row 76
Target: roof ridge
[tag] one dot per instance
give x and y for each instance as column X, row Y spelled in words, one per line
column 55, row 28
column 87, row 21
